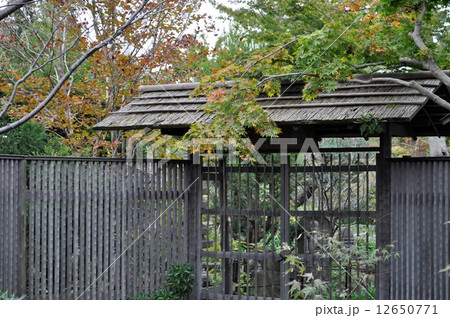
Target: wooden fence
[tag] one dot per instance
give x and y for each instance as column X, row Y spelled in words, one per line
column 78, row 228
column 97, row 229
column 12, row 225
column 420, row 207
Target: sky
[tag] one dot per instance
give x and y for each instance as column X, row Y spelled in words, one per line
column 220, row 25
column 208, row 8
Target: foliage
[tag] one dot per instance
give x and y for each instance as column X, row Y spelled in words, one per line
column 345, row 256
column 41, row 42
column 164, row 294
column 4, row 295
column 179, row 283
column 369, row 126
column 140, row 296
column 319, row 43
column 30, row 139
column 409, row 147
column 180, row 279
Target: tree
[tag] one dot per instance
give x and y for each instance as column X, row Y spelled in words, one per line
column 68, row 63
column 323, row 42
column 30, row 139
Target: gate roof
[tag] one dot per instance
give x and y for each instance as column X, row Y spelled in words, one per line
column 170, row 107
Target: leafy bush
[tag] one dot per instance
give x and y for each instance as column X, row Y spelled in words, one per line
column 164, row 294
column 30, row 139
column 306, row 286
column 180, row 279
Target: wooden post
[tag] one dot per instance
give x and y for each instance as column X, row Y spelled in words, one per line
column 226, row 232
column 284, row 226
column 193, row 209
column 383, row 222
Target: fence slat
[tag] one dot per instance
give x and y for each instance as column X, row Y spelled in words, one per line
column 90, row 205
column 64, row 229
column 110, row 255
column 146, row 220
column 125, row 253
column 70, row 230
column 152, row 231
column 57, row 245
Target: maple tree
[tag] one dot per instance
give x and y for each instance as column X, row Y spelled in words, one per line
column 68, row 63
column 324, row 42
column 331, row 40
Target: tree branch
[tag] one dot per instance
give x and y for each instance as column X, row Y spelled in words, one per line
column 269, row 77
column 411, row 84
column 413, row 62
column 269, row 55
column 429, row 63
column 13, row 7
column 415, row 35
column 77, row 64
column 361, row 66
column 35, row 67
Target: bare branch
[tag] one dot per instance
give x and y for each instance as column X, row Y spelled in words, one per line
column 410, row 84
column 35, row 67
column 429, row 62
column 269, row 77
column 79, row 62
column 415, row 35
column 413, row 62
column 361, row 66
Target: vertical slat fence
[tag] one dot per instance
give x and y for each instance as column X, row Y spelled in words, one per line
column 420, row 209
column 108, row 229
column 12, row 225
column 97, row 228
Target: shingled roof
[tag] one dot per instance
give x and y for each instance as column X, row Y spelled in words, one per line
column 170, row 106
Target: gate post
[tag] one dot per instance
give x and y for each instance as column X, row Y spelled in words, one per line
column 383, row 220
column 193, row 195
column 225, row 225
column 284, row 226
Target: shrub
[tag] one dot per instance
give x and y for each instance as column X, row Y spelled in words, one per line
column 306, row 286
column 180, row 279
column 164, row 294
column 179, row 282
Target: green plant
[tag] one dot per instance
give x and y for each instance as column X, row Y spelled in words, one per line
column 140, row 296
column 369, row 125
column 447, row 268
column 179, row 282
column 180, row 279
column 360, row 255
column 164, row 294
column 4, row 295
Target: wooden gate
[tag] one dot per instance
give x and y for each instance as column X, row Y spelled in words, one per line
column 252, row 216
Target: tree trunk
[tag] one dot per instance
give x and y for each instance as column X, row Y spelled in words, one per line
column 438, row 147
